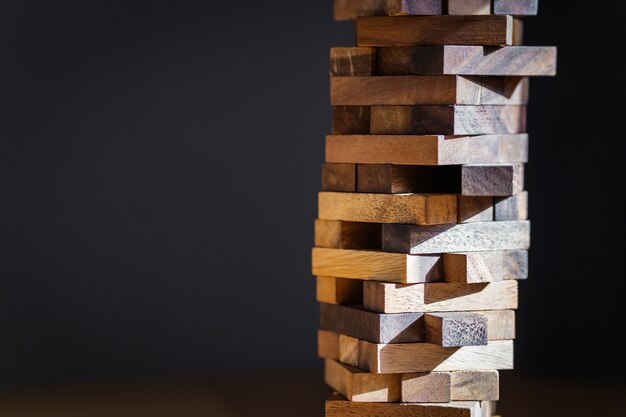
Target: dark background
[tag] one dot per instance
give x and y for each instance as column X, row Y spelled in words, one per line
column 160, row 162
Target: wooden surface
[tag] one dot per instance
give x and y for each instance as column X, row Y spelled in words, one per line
column 333, row 290
column 492, row 179
column 351, row 119
column 516, row 7
column 474, row 209
column 340, row 407
column 469, row 7
column 338, row 177
column 476, row 267
column 511, row 208
column 347, row 235
column 434, row 30
column 426, row 150
column 351, row 9
column 352, row 61
column 468, row 60
column 455, row 329
column 361, row 386
column 282, row 394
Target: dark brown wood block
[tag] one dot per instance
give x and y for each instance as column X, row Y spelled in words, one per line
column 398, row 179
column 516, row 7
column 339, row 177
column 475, row 209
column 351, row 9
column 351, row 119
column 338, row 406
column 352, row 61
column 456, row 329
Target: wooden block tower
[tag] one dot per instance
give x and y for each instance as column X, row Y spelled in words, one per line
column 423, row 232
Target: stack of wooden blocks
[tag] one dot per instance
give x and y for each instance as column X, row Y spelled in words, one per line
column 423, row 225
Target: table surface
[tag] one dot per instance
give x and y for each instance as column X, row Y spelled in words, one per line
column 281, row 394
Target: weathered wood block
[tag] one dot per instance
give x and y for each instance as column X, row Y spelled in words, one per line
column 339, row 290
column 493, row 266
column 352, row 61
column 449, row 386
column 351, row 9
column 351, row 119
column 492, row 179
column 516, row 7
column 456, row 329
column 511, row 208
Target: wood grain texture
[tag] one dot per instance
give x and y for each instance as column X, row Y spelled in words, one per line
column 401, row 179
column 339, row 290
column 338, row 177
column 338, row 406
column 351, row 9
column 478, row 267
column 376, row 265
column 347, row 235
column 492, row 179
column 439, row 297
column 351, row 119
column 469, row 7
column 426, row 387
column 352, row 61
column 447, row 120
column 475, row 385
column 374, row 327
column 475, row 209
column 434, row 30
column 500, row 323
column 360, row 386
column 511, row 208
column 427, row 90
column 525, row 61
column 328, row 345
column 426, row 150
column 455, row 329
column 467, row 237
column 349, row 350
column 388, row 208
column 516, row 7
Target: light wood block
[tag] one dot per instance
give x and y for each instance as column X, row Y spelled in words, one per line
column 439, row 297
column 500, row 324
column 447, row 120
column 360, row 386
column 339, row 290
column 349, row 350
column 467, row 237
column 525, row 61
column 377, row 266
column 450, row 386
column 475, row 209
column 339, row 177
column 511, row 208
column 475, row 385
column 477, row 267
column 516, row 7
column 427, row 90
column 351, row 119
column 347, row 235
column 434, row 30
column 351, row 9
column 425, row 387
column 426, row 150
column 455, row 329
column 338, row 406
column 328, row 345
column 469, row 7
column 388, row 208
column 492, row 179
column 352, row 61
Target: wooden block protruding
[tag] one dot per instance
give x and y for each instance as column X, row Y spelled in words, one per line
column 469, row 7
column 434, row 30
column 338, row 406
column 347, row 235
column 516, row 7
column 351, row 9
column 456, row 329
column 492, row 179
column 339, row 290
column 511, row 208
column 352, row 61
column 339, row 177
column 480, row 267
column 360, row 386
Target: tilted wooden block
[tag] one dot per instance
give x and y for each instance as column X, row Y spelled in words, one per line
column 339, row 290
column 338, row 406
column 450, row 386
column 511, row 208
column 474, row 209
column 476, row 267
column 516, row 7
column 352, row 61
column 427, row 90
column 455, row 329
column 373, row 327
column 402, row 179
column 376, row 265
column 328, row 345
column 467, row 237
column 339, row 177
column 360, row 386
column 426, row 150
column 530, row 61
column 351, row 119
column 434, row 30
column 469, row 7
column 351, row 9
column 492, row 179
column 439, row 297
column 388, row 208
column 447, row 120
column 347, row 235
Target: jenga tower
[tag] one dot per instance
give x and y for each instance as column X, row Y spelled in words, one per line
column 423, row 224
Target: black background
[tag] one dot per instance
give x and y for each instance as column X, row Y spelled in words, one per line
column 160, row 162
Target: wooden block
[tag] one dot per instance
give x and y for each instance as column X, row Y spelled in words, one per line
column 327, row 344
column 475, row 209
column 434, row 30
column 426, row 150
column 403, row 358
column 353, row 61
column 477, row 267
column 427, row 90
column 439, row 297
column 347, row 235
column 373, row 327
column 474, row 386
column 500, row 323
column 518, row 32
column 351, row 9
column 466, row 237
column 469, row 7
column 511, row 208
column 339, row 177
column 425, row 387
column 516, row 7
column 377, row 266
column 488, row 408
column 351, row 119
column 492, row 179
column 530, row 61
column 447, row 120
column 349, row 350
column 360, row 386
column 456, row 329
column 400, row 179
column 388, row 208
column 338, row 406
column 339, row 291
